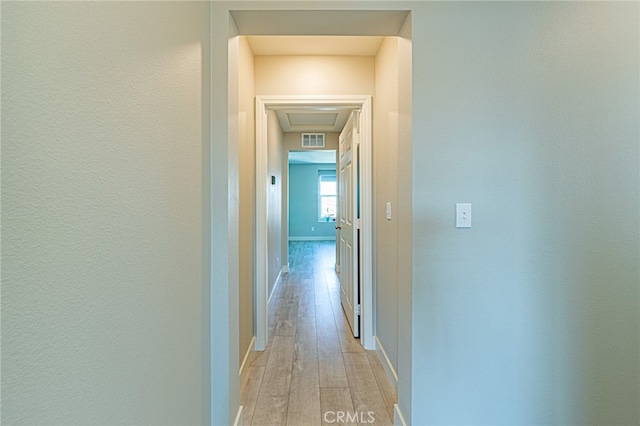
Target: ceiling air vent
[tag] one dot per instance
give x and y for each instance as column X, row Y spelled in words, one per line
column 313, row 140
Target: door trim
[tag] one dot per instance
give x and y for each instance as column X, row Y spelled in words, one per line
column 363, row 103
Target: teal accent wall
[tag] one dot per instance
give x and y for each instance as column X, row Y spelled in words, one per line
column 303, row 202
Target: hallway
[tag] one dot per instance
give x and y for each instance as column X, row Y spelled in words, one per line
column 314, row 371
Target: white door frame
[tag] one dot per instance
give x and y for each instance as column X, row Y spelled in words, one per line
column 362, row 103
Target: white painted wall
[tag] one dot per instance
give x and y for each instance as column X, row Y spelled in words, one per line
column 104, row 242
column 313, row 75
column 293, row 142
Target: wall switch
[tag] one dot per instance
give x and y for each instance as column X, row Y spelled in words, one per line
column 388, row 211
column 313, row 228
column 463, row 215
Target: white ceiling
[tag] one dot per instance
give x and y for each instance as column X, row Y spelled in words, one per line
column 315, row 45
column 312, row 119
column 312, row 157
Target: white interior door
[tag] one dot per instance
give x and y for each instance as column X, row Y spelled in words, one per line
column 348, row 223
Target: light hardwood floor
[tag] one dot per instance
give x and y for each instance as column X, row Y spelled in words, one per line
column 314, row 369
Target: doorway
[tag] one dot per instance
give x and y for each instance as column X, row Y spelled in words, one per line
column 312, row 192
column 362, row 104
column 233, row 114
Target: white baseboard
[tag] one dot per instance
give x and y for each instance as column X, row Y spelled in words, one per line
column 239, row 420
column 386, row 364
column 246, row 362
column 275, row 286
column 312, row 238
column 398, row 418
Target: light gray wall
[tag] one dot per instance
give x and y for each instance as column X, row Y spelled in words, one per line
column 404, row 217
column 275, row 141
column 223, row 178
column 385, row 184
column 304, row 202
column 247, row 194
column 530, row 112
column 104, row 238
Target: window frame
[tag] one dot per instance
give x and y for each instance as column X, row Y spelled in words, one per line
column 333, row 174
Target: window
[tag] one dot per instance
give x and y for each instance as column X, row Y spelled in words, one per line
column 327, row 195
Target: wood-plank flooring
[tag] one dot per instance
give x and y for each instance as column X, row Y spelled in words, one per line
column 314, row 372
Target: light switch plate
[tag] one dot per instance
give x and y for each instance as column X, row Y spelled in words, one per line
column 463, row 215
column 388, row 211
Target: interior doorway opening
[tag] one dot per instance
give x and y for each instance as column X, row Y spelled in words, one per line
column 312, row 193
column 363, row 105
column 393, row 26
